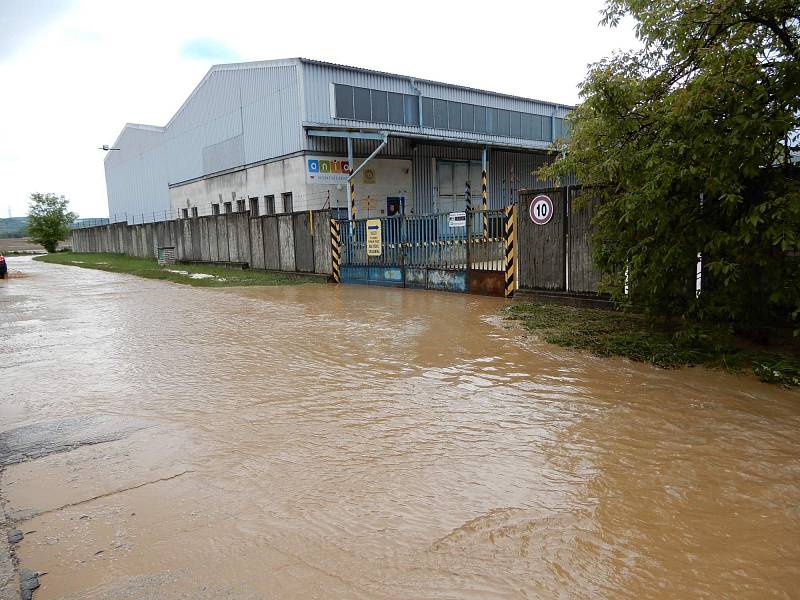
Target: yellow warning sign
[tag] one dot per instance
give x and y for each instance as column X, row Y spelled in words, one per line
column 374, row 237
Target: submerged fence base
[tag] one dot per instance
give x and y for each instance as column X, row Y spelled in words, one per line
column 470, row 281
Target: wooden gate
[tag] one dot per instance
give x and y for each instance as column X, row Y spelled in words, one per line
column 557, row 256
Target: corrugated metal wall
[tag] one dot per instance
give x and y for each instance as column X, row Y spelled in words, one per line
column 317, row 79
column 258, row 103
column 136, row 174
column 507, row 173
column 236, row 116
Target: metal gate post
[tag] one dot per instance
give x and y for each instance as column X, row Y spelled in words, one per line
column 484, row 198
column 510, row 263
column 336, row 252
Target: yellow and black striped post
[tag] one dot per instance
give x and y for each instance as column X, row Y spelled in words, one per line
column 484, row 206
column 468, row 195
column 336, row 252
column 352, row 200
column 511, row 251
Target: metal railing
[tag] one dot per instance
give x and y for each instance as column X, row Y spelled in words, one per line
column 429, row 241
column 214, row 208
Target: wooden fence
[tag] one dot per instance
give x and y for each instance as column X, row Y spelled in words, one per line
column 557, row 256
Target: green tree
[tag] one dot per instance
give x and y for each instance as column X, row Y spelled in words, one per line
column 688, row 142
column 49, row 220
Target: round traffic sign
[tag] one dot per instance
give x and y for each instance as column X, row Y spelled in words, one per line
column 541, row 210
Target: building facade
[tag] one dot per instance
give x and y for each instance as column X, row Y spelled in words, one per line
column 284, row 135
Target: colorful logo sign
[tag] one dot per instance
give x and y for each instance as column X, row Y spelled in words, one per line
column 327, row 170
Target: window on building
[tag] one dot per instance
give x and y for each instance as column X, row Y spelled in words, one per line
column 344, row 101
column 536, row 127
column 440, row 114
column 288, row 205
column 547, row 129
column 215, row 209
column 194, row 211
column 480, row 119
column 396, row 108
column 526, row 126
column 516, row 124
column 362, row 103
column 228, row 208
column 492, row 120
column 503, row 122
column 427, row 112
column 184, row 213
column 560, row 128
column 375, row 105
column 380, row 106
column 454, row 115
column 253, row 207
column 467, row 117
column 241, row 205
column 269, row 205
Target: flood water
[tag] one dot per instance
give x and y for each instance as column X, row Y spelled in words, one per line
column 324, row 441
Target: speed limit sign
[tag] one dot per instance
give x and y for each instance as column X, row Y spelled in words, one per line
column 541, row 210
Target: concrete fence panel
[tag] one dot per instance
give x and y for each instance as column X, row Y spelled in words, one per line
column 233, row 242
column 286, row 242
column 135, row 240
column 177, row 234
column 322, row 242
column 290, row 242
column 197, row 242
column 223, row 251
column 144, row 246
column 272, row 250
column 256, row 243
column 303, row 233
column 213, row 244
column 243, row 233
column 205, row 252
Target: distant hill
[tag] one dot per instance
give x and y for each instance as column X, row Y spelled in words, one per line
column 13, row 227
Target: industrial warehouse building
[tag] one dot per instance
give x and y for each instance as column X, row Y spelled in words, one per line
column 282, row 135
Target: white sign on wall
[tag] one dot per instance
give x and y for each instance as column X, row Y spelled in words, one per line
column 457, row 219
column 374, row 237
column 324, row 170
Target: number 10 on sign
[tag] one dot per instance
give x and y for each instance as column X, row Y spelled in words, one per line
column 541, row 210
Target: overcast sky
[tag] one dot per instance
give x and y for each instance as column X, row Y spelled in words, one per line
column 73, row 72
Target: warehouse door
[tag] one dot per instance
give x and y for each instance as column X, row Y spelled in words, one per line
column 451, row 184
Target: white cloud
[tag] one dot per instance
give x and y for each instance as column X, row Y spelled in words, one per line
column 73, row 81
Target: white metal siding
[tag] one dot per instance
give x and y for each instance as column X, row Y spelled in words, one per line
column 236, row 116
column 136, row 174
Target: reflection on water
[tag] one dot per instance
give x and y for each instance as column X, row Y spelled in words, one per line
column 354, row 442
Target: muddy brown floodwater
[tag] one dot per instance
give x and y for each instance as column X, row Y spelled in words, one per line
column 354, row 442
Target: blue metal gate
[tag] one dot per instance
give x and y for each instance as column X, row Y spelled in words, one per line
column 427, row 251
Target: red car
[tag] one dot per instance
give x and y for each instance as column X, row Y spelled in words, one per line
column 3, row 267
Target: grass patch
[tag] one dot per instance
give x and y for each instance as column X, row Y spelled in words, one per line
column 608, row 333
column 204, row 275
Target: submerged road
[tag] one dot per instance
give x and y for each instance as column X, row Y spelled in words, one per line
column 162, row 441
